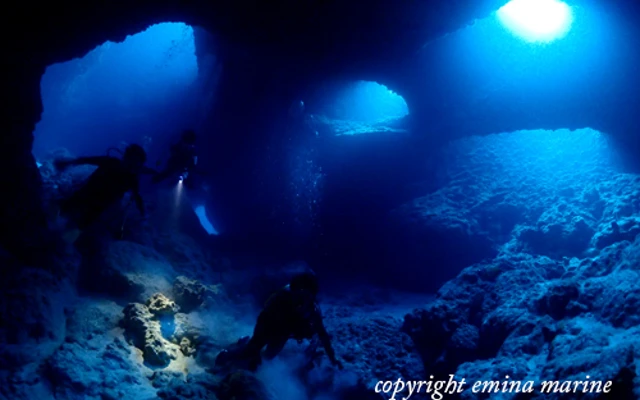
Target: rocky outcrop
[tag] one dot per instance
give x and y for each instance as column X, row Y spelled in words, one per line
column 145, row 333
column 94, row 362
column 189, row 332
column 189, row 294
column 625, row 229
column 500, row 193
column 192, row 295
column 371, row 346
column 559, row 300
column 160, row 306
column 532, row 318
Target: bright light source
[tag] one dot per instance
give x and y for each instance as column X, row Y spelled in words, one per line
column 537, row 20
column 177, row 194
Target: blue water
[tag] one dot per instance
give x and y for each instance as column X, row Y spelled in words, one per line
column 140, row 90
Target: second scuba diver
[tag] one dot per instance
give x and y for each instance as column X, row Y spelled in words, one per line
column 290, row 313
column 183, row 158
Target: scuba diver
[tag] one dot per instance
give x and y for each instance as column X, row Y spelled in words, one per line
column 183, row 158
column 290, row 313
column 107, row 185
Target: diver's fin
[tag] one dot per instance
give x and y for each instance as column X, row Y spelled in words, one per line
column 71, row 235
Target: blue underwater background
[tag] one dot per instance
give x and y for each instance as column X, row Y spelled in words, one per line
column 497, row 257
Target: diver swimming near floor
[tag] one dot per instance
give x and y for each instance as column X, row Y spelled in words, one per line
column 107, row 185
column 183, row 159
column 290, row 313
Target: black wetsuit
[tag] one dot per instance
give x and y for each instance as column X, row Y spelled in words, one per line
column 106, row 185
column 286, row 317
column 183, row 158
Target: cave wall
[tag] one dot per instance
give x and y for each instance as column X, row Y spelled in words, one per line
column 23, row 220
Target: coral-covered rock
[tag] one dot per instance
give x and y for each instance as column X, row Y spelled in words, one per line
column 89, row 321
column 497, row 192
column 371, row 345
column 145, row 333
column 94, row 361
column 617, row 231
column 615, row 298
column 189, row 293
column 108, row 373
column 558, row 236
column 137, row 321
column 535, row 320
column 160, row 306
column 463, row 344
column 557, row 297
column 189, row 332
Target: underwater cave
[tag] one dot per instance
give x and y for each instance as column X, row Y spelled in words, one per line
column 117, row 91
column 355, row 108
column 453, row 191
column 145, row 90
column 359, row 107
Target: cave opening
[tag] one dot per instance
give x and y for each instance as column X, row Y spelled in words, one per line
column 136, row 91
column 360, row 107
column 146, row 90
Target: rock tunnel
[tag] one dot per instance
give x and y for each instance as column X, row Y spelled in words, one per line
column 274, row 54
